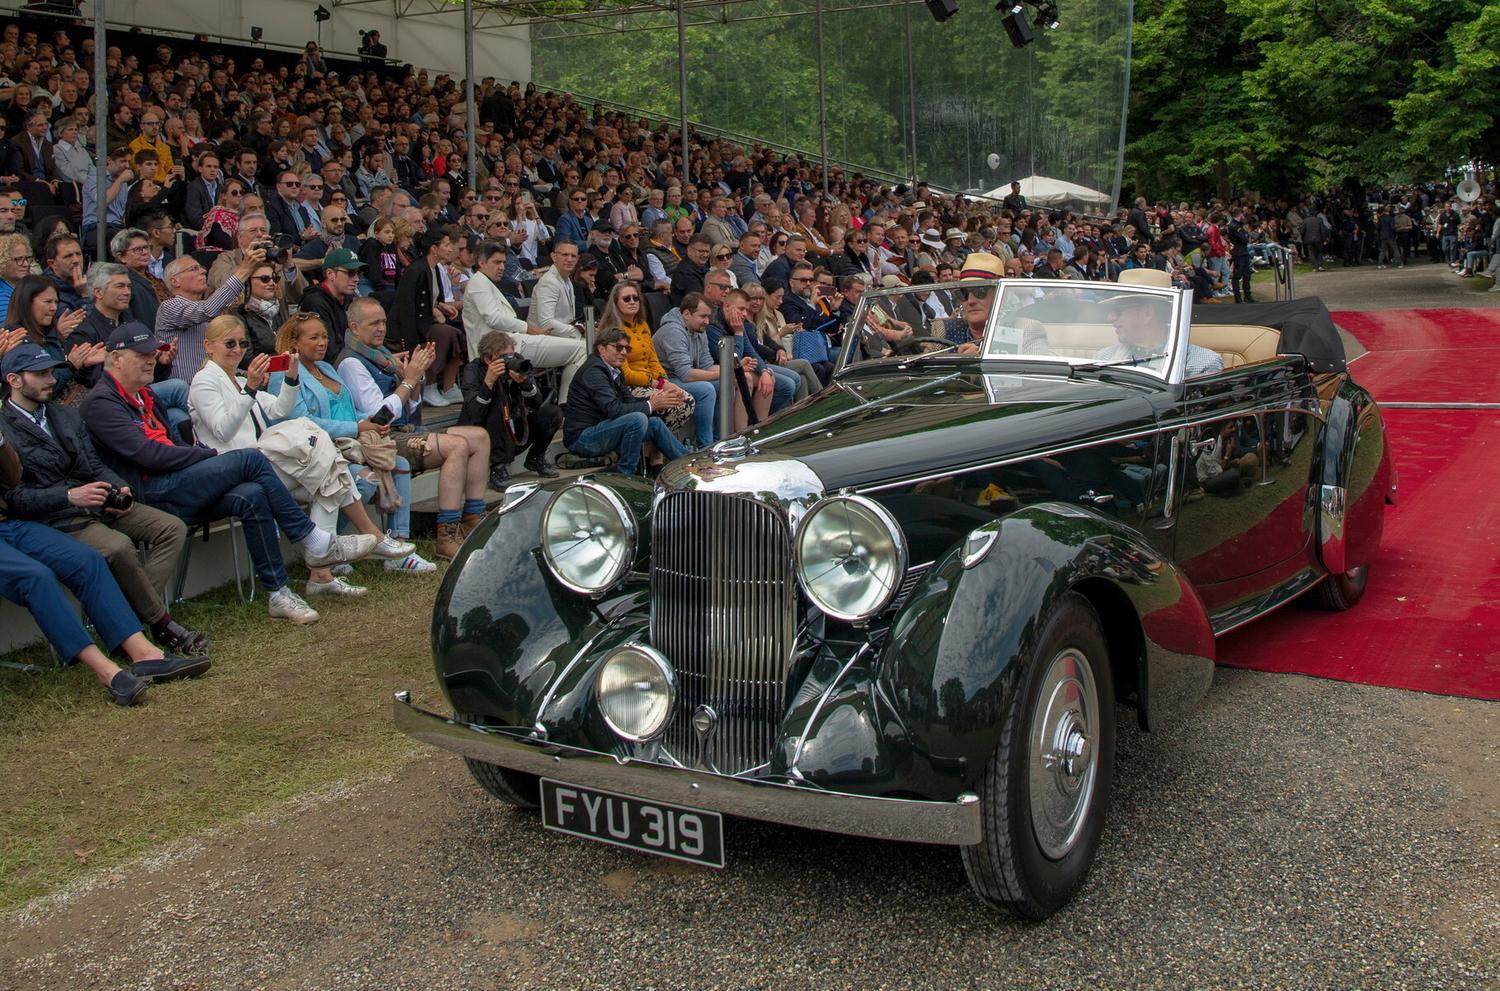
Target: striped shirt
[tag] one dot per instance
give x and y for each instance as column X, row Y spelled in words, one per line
column 187, row 319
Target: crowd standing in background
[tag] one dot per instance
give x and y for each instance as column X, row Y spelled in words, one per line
column 299, row 256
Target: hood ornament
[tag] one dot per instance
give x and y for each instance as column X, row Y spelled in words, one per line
column 733, row 449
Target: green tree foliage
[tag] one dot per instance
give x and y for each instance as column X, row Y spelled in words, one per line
column 1230, row 95
column 1052, row 108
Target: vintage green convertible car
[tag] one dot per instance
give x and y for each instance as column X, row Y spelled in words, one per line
column 907, row 607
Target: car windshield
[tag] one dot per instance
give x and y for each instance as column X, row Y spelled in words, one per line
column 1078, row 324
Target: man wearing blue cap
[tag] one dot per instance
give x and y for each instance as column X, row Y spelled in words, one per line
column 197, row 483
column 64, row 485
column 36, row 562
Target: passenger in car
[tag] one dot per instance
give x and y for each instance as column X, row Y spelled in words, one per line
column 1142, row 323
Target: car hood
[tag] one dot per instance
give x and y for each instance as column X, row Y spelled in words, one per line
column 871, row 429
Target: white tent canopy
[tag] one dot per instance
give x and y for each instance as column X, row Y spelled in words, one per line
column 1043, row 191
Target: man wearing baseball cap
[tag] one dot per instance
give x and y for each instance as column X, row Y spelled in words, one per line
column 330, row 298
column 198, row 484
column 64, row 485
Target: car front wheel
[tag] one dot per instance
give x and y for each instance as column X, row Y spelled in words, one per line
column 1044, row 794
column 517, row 788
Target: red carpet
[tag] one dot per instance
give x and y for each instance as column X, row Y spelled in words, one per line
column 1427, row 356
column 1430, row 618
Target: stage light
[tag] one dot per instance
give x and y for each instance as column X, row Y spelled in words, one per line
column 1046, row 16
column 1014, row 23
column 941, row 10
column 256, row 33
column 321, row 14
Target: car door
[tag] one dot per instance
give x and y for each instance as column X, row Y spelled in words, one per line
column 1246, row 446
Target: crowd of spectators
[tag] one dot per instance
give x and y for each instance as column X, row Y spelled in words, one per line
column 299, row 267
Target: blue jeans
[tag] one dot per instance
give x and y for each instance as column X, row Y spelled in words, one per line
column 625, row 434
column 1449, row 243
column 787, row 383
column 705, row 393
column 239, row 484
column 399, row 519
column 34, row 558
column 173, row 394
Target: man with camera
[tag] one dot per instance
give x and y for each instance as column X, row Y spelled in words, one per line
column 371, row 48
column 501, row 395
column 65, row 485
column 255, row 232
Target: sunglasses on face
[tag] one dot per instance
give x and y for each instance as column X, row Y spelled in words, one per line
column 980, row 294
column 235, row 345
column 622, row 348
column 263, row 278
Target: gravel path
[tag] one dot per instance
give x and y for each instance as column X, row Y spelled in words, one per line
column 1291, row 833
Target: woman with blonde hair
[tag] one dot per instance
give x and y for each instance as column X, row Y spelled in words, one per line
column 230, row 411
column 771, row 339
column 643, row 372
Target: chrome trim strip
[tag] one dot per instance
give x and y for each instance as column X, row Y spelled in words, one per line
column 1012, row 459
column 955, row 823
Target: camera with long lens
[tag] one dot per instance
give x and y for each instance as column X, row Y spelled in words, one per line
column 118, row 499
column 516, row 363
column 275, row 246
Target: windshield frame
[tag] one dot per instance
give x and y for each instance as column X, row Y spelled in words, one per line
column 1172, row 373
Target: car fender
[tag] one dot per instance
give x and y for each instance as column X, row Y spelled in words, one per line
column 956, row 649
column 501, row 629
column 1354, row 478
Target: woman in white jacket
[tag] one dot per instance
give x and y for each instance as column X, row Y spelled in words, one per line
column 230, row 411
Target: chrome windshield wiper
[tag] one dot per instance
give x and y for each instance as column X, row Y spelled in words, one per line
column 1095, row 366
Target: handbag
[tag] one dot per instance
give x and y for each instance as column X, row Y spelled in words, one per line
column 810, row 345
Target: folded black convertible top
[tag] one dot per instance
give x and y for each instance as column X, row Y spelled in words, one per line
column 1305, row 325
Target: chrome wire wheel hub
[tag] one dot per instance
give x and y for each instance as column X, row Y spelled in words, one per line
column 1063, row 748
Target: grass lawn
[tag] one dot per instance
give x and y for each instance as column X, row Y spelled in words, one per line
column 285, row 710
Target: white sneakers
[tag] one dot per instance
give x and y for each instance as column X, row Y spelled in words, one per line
column 286, row 604
column 433, row 396
column 413, row 563
column 349, row 547
column 340, row 587
column 392, row 549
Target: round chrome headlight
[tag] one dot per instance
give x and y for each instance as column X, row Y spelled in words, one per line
column 636, row 688
column 588, row 537
column 851, row 557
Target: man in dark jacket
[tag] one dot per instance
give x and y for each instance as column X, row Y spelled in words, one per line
column 330, row 298
column 420, row 315
column 689, row 274
column 603, row 415
column 506, row 401
column 64, row 485
column 199, row 484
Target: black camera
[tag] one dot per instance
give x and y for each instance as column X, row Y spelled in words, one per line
column 118, row 499
column 517, row 363
column 275, row 245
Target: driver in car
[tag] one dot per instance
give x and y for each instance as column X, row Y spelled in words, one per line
column 1142, row 324
column 976, row 302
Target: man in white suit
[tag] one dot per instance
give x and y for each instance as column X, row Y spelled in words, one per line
column 487, row 309
column 554, row 300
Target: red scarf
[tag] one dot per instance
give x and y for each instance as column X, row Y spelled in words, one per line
column 146, row 403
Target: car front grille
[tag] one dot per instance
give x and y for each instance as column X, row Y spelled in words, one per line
column 723, row 601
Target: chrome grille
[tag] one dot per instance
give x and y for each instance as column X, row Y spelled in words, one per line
column 723, row 604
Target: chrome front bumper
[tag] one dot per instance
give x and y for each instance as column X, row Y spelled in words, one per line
column 954, row 823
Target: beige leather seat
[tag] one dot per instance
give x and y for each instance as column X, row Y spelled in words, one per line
column 1238, row 344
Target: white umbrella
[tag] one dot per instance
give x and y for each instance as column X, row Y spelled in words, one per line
column 1045, row 191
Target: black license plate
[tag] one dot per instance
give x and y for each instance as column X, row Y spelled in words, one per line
column 651, row 827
